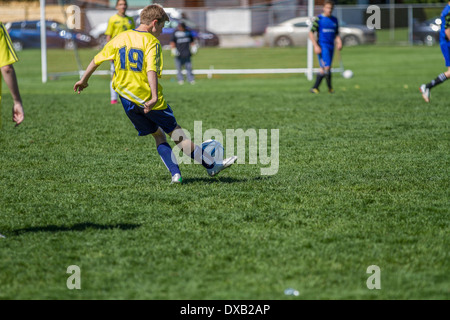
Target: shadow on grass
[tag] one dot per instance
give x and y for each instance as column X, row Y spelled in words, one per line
column 77, row 227
column 220, row 180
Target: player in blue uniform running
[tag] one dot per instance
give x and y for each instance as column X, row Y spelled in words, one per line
column 444, row 40
column 327, row 28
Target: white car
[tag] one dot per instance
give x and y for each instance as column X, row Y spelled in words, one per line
column 294, row 32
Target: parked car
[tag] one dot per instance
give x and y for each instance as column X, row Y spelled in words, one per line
column 204, row 38
column 294, row 32
column 427, row 32
column 27, row 34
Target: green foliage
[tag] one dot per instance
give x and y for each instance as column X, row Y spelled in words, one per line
column 363, row 180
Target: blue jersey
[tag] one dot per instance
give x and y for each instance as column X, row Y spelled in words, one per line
column 327, row 29
column 445, row 23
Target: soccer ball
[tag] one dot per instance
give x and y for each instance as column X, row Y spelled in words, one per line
column 347, row 74
column 214, row 148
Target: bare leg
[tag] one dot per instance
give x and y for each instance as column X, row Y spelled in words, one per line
column 190, row 149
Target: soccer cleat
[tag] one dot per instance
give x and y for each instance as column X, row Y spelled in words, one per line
column 425, row 93
column 181, row 82
column 331, row 91
column 176, row 178
column 113, row 101
column 314, row 90
column 221, row 166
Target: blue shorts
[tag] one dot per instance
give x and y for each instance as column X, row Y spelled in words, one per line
column 326, row 57
column 445, row 48
column 148, row 123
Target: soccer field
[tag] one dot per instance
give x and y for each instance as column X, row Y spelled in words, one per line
column 363, row 180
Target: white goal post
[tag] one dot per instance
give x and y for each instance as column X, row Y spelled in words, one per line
column 43, row 43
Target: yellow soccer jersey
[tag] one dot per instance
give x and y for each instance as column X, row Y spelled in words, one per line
column 134, row 53
column 7, row 53
column 118, row 24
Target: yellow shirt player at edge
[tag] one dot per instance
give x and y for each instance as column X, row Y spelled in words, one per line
column 138, row 61
column 7, row 58
column 116, row 24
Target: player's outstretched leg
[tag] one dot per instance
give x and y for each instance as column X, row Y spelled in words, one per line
column 195, row 152
column 426, row 88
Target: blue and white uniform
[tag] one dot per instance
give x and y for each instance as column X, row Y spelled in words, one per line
column 327, row 29
column 443, row 40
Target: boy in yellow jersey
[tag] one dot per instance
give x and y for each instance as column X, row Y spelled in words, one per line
column 138, row 62
column 7, row 58
column 116, row 24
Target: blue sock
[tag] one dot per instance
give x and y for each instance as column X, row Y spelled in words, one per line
column 168, row 157
column 206, row 160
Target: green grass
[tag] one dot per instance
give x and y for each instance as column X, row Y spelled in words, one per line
column 398, row 36
column 363, row 180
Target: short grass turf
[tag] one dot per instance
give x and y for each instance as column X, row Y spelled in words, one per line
column 363, row 180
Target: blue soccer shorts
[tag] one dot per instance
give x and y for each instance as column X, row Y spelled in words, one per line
column 326, row 57
column 148, row 123
column 445, row 48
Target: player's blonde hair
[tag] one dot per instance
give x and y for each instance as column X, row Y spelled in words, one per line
column 153, row 12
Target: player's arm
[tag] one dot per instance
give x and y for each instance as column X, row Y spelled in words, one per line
column 173, row 46
column 337, row 39
column 153, row 82
column 9, row 74
column 447, row 26
column 312, row 37
column 193, row 43
column 109, row 29
column 83, row 83
column 338, row 42
column 317, row 49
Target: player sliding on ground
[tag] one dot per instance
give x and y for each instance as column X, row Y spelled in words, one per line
column 327, row 28
column 138, row 65
column 444, row 40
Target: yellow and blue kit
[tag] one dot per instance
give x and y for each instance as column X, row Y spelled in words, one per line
column 135, row 53
column 118, row 24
